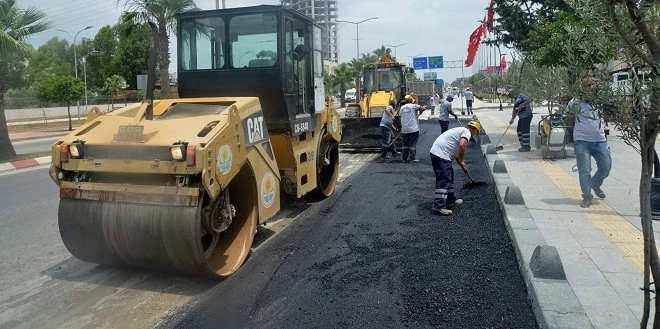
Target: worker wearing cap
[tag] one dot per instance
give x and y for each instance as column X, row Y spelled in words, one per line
column 408, row 113
column 469, row 97
column 450, row 145
column 445, row 111
column 523, row 109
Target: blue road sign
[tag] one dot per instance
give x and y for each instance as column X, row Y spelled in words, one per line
column 421, row 63
column 435, row 62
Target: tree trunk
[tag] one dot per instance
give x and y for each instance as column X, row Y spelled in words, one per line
column 342, row 95
column 68, row 109
column 651, row 261
column 6, row 148
column 164, row 59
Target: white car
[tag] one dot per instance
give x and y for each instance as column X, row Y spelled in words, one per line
column 350, row 95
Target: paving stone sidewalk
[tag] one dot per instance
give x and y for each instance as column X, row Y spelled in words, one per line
column 600, row 247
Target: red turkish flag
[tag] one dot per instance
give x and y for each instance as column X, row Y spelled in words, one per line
column 502, row 63
column 473, row 44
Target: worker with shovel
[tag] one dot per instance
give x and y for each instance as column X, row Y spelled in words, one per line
column 445, row 111
column 387, row 129
column 449, row 145
column 522, row 107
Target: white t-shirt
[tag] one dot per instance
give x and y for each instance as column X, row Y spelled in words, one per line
column 589, row 126
column 446, row 145
column 408, row 115
column 468, row 95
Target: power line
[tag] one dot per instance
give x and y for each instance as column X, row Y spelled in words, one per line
column 81, row 14
column 69, row 10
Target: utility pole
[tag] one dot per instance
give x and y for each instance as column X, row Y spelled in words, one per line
column 75, row 58
column 357, row 58
column 395, row 47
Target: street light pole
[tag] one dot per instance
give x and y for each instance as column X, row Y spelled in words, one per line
column 395, row 47
column 357, row 32
column 84, row 60
column 75, row 58
column 241, row 58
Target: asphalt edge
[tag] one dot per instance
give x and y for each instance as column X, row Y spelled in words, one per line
column 554, row 302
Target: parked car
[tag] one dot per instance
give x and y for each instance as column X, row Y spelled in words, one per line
column 350, row 95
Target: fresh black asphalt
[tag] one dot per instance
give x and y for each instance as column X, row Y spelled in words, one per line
column 373, row 255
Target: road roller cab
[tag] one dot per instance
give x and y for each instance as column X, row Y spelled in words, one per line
column 181, row 184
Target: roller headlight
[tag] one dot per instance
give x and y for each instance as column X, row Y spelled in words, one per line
column 77, row 149
column 178, row 151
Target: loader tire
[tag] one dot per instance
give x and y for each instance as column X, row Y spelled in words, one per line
column 353, row 111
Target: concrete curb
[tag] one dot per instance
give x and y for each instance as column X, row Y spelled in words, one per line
column 22, row 164
column 554, row 301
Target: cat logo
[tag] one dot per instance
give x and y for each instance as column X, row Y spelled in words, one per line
column 254, row 128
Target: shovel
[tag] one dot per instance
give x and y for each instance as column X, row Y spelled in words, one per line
column 501, row 147
column 472, row 183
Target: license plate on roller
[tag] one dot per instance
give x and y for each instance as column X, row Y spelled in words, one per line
column 130, row 133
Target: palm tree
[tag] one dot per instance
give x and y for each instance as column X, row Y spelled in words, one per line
column 341, row 76
column 163, row 12
column 16, row 26
column 381, row 51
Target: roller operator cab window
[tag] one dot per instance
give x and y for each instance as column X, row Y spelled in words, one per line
column 253, row 40
column 244, row 41
column 202, row 44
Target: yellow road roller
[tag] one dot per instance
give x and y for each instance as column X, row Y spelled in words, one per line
column 181, row 184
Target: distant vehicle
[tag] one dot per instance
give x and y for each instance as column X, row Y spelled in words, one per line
column 622, row 85
column 350, row 95
column 622, row 82
column 454, row 91
column 423, row 89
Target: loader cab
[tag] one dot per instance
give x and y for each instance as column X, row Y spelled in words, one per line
column 265, row 51
column 385, row 77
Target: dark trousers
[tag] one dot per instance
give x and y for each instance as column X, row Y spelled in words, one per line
column 387, row 143
column 468, row 104
column 444, row 182
column 409, row 146
column 523, row 130
column 444, row 126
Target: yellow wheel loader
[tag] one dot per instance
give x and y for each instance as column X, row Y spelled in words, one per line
column 181, row 184
column 383, row 82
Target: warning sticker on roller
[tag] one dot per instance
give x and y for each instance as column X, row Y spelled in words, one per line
column 224, row 159
column 268, row 189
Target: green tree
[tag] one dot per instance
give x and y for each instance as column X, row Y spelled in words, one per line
column 636, row 25
column 266, row 54
column 341, row 77
column 112, row 85
column 163, row 13
column 16, row 26
column 518, row 17
column 61, row 89
column 50, row 58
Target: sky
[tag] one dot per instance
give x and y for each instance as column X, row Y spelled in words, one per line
column 425, row 27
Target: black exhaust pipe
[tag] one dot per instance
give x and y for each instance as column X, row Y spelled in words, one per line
column 151, row 70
